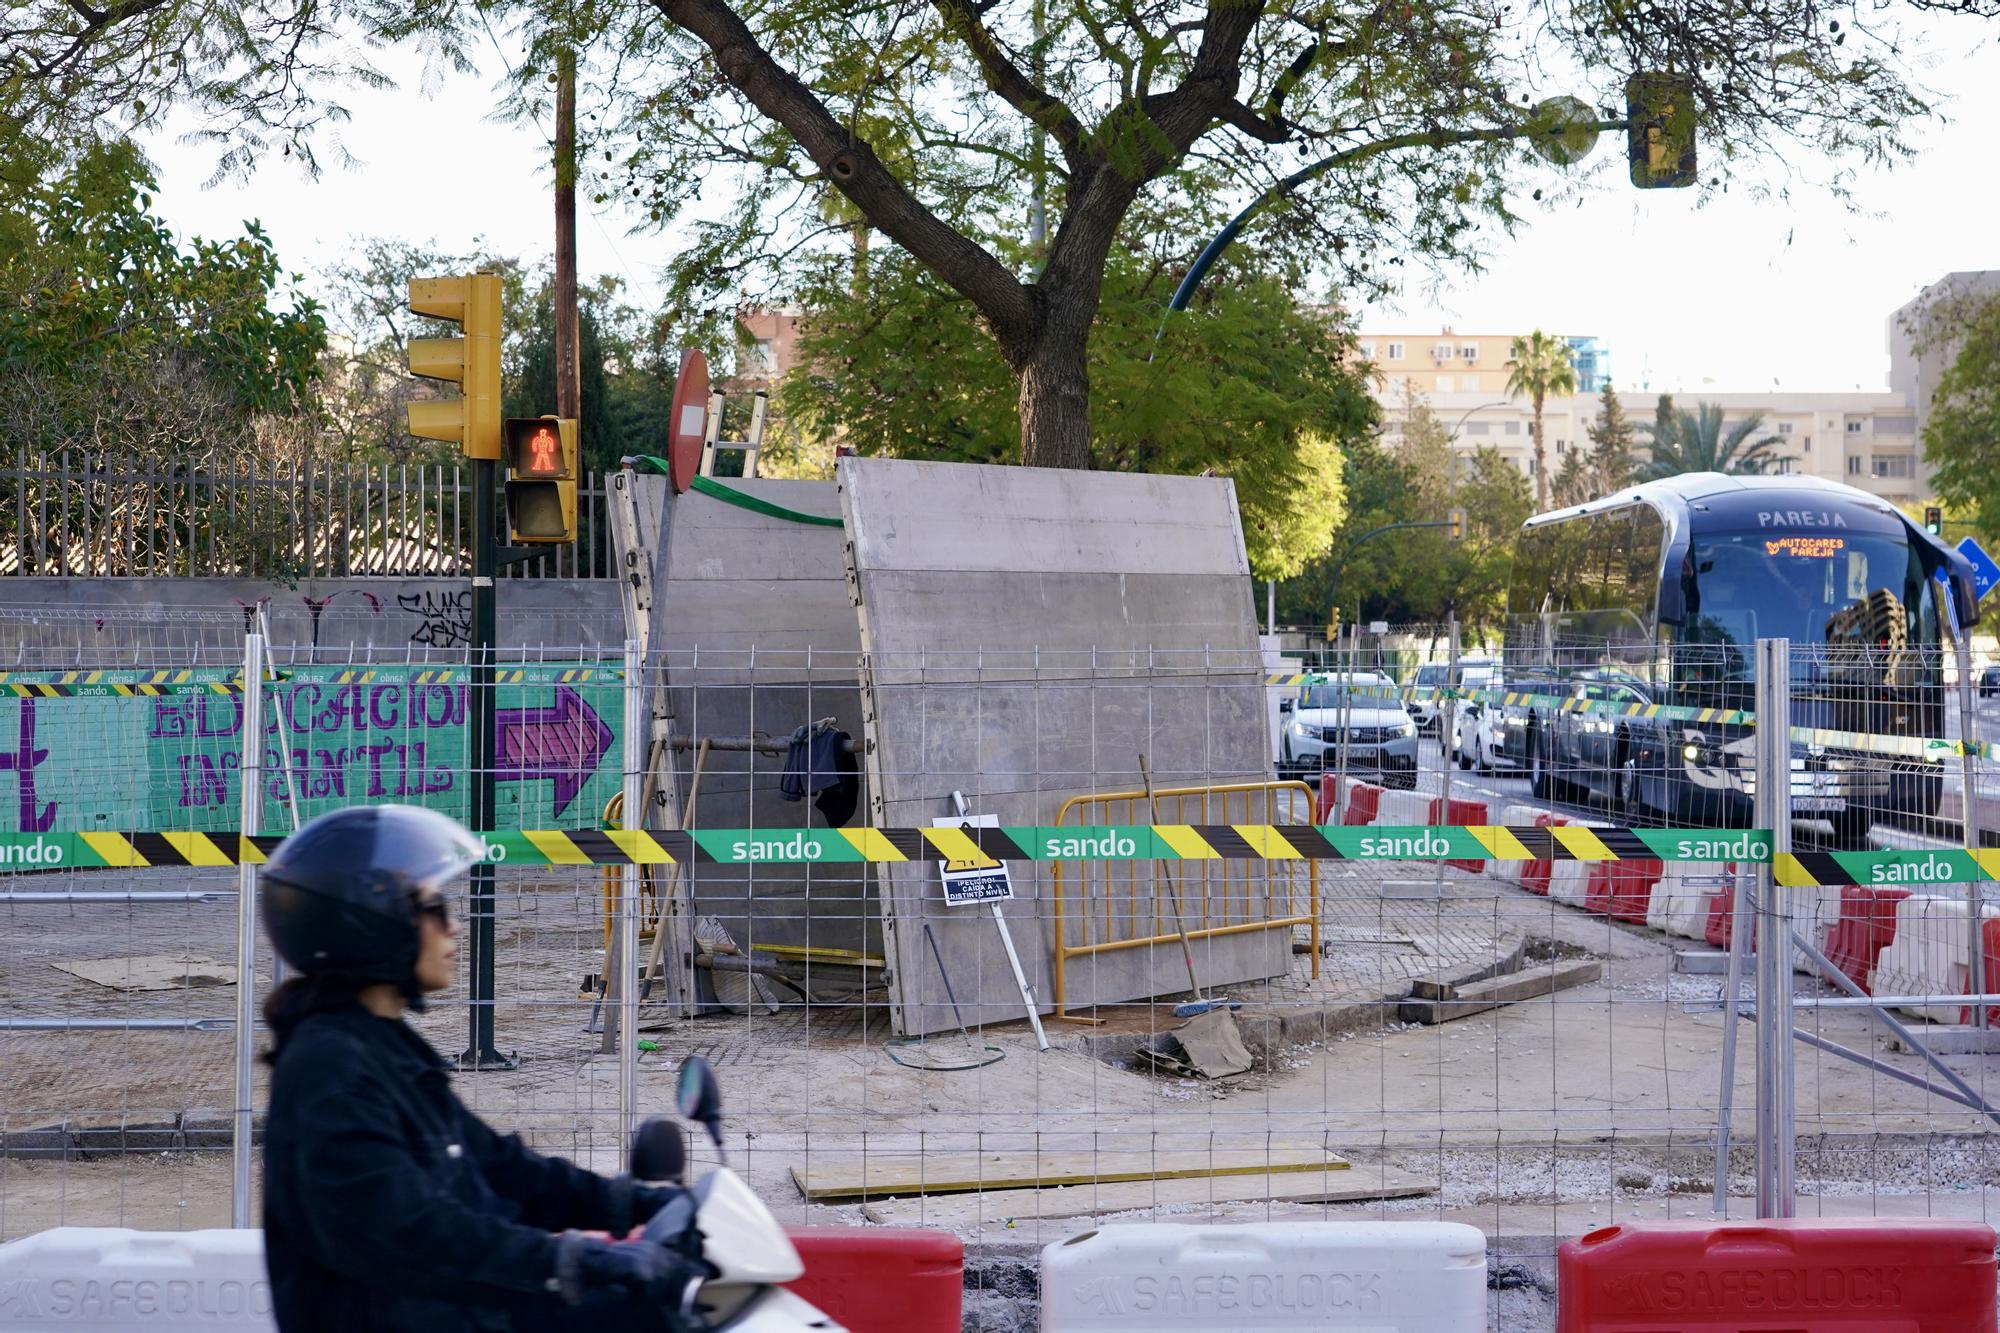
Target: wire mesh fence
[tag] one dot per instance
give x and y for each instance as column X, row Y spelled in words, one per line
column 1296, row 946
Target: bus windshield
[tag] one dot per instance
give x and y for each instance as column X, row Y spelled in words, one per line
column 1832, row 594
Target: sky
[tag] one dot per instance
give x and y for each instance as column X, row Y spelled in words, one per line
column 1736, row 295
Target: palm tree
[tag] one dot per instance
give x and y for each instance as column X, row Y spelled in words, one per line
column 1684, row 441
column 1539, row 365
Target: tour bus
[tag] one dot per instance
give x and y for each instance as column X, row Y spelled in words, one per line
column 1657, row 595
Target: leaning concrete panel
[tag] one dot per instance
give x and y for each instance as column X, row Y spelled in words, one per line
column 1030, row 634
column 753, row 626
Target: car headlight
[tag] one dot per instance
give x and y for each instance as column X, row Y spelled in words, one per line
column 1405, row 729
column 1301, row 729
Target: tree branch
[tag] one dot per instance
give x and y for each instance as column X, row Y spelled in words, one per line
column 1005, row 78
column 849, row 162
column 1238, row 116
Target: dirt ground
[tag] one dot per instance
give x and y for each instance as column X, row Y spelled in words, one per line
column 1537, row 1121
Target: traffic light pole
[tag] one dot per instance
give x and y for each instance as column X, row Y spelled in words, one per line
column 487, row 557
column 480, row 1053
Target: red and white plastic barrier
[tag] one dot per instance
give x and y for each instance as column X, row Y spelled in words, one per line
column 1913, row 1275
column 1927, row 954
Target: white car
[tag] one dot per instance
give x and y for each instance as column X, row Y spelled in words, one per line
column 1432, row 677
column 1479, row 727
column 1381, row 737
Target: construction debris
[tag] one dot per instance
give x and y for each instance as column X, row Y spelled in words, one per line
column 1209, row 1045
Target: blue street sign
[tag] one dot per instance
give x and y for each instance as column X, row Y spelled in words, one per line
column 1985, row 571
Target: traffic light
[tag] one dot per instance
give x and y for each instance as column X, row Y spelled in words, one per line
column 1333, row 626
column 1454, row 524
column 540, row 453
column 1934, row 520
column 1660, row 130
column 472, row 420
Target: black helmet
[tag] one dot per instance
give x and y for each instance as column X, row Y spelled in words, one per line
column 341, row 895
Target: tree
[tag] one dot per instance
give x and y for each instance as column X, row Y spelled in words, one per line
column 118, row 337
column 1962, row 429
column 1696, row 442
column 1574, row 482
column 1250, row 386
column 1417, row 575
column 1540, row 366
column 1612, row 442
column 1607, row 465
column 942, row 123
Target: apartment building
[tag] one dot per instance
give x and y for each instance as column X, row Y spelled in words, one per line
column 1448, row 362
column 1873, row 441
column 1868, row 440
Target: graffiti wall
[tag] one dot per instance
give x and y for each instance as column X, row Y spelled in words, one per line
column 164, row 750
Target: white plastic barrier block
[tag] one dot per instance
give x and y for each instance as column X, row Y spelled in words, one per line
column 1514, row 816
column 1268, row 1277
column 1928, row 955
column 1569, row 881
column 1679, row 905
column 1404, row 807
column 117, row 1280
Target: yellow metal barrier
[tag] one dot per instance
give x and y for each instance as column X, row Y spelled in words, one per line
column 649, row 898
column 1112, row 911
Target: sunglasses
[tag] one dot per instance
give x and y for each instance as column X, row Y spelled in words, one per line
column 436, row 909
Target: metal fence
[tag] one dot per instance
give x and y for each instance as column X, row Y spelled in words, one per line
column 1507, row 1003
column 71, row 514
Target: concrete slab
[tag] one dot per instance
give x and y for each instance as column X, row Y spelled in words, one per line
column 1952, row 1039
column 753, row 629
column 1030, row 634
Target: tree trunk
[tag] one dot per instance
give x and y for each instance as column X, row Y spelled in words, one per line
column 1541, row 462
column 1055, row 401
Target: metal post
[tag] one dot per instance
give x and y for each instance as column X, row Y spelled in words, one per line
column 1270, row 606
column 1725, row 1102
column 1454, row 646
column 626, row 937
column 1776, row 1121
column 1968, row 716
column 241, row 1144
column 479, row 1051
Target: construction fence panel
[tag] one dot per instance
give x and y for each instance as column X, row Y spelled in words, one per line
column 1493, row 993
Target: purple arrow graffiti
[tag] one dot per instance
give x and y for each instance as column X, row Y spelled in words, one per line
column 563, row 743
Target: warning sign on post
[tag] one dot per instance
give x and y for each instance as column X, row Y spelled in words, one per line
column 968, row 882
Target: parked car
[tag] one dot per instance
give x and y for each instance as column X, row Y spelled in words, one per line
column 1463, row 740
column 1380, row 734
column 1504, row 727
column 1586, row 755
column 1431, row 677
column 1989, row 682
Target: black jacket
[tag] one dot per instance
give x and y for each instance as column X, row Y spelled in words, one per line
column 389, row 1207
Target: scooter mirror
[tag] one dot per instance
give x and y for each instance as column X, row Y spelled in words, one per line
column 698, row 1096
column 659, row 1151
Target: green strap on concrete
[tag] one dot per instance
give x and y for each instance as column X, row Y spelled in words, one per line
column 715, row 490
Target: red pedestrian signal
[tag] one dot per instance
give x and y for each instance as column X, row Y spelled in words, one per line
column 540, row 453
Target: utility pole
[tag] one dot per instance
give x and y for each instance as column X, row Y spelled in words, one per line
column 569, row 373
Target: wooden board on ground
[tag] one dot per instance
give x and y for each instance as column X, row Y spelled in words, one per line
column 1176, row 1200
column 1480, row 996
column 885, row 1176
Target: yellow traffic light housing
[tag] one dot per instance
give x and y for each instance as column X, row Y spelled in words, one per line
column 1660, row 130
column 541, row 458
column 472, row 420
column 1454, row 524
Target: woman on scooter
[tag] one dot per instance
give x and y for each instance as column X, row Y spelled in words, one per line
column 388, row 1206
